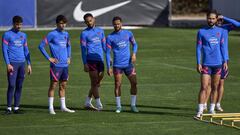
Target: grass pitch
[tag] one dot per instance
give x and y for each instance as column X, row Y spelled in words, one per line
column 168, row 86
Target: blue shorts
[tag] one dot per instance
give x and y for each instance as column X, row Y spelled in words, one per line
column 130, row 70
column 58, row 73
column 212, row 70
column 95, row 65
column 224, row 73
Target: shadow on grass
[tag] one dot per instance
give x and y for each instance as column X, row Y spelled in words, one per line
column 143, row 109
column 157, row 107
column 36, row 107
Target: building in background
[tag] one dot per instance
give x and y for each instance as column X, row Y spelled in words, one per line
column 24, row 8
column 42, row 13
column 229, row 8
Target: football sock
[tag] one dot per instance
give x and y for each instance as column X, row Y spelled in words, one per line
column 63, row 103
column 200, row 107
column 212, row 107
column 118, row 101
column 133, row 100
column 50, row 102
column 88, row 100
column 98, row 102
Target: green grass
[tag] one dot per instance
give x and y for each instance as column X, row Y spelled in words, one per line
column 167, row 82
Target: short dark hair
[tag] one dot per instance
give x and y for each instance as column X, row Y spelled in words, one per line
column 87, row 15
column 213, row 11
column 17, row 19
column 61, row 18
column 117, row 18
column 219, row 14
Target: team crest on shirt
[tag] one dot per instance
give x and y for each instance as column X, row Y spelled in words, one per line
column 213, row 41
column 99, row 33
column 218, row 34
column 21, row 37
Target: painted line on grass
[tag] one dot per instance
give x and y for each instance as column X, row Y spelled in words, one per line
column 189, row 69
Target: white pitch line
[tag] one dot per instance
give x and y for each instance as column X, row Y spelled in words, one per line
column 189, row 69
column 179, row 67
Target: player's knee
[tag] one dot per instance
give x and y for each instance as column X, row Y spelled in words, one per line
column 94, row 83
column 53, row 85
column 11, row 85
column 204, row 88
column 214, row 87
column 118, row 83
column 62, row 87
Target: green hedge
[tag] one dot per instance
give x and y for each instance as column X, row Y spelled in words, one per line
column 180, row 7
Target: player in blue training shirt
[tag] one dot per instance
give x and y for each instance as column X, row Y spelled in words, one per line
column 60, row 49
column 93, row 44
column 15, row 52
column 229, row 26
column 123, row 62
column 211, row 56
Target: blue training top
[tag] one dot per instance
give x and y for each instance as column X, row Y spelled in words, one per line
column 59, row 45
column 210, row 47
column 15, row 47
column 232, row 24
column 119, row 42
column 93, row 44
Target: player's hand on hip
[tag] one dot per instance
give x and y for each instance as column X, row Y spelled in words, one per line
column 110, row 72
column 10, row 68
column 53, row 60
column 69, row 61
column 225, row 66
column 86, row 68
column 199, row 68
column 134, row 58
column 29, row 69
column 111, row 62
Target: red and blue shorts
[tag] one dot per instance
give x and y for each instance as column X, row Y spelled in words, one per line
column 58, row 73
column 212, row 70
column 95, row 65
column 128, row 71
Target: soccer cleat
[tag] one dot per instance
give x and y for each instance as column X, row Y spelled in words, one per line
column 18, row 111
column 134, row 109
column 51, row 111
column 199, row 114
column 118, row 110
column 67, row 110
column 99, row 107
column 90, row 107
column 8, row 112
column 219, row 108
